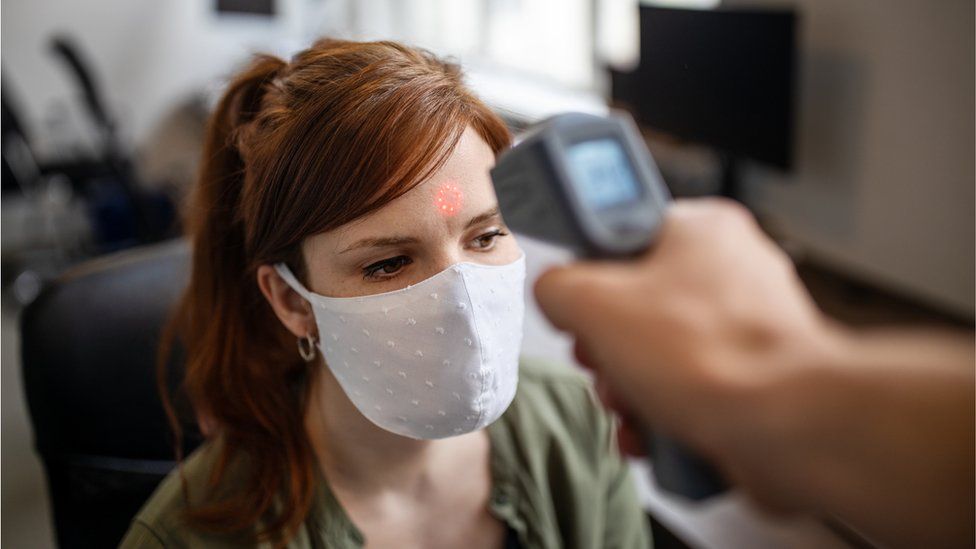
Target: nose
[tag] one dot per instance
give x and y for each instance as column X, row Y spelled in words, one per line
column 443, row 259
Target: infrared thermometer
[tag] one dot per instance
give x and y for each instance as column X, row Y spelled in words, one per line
column 588, row 183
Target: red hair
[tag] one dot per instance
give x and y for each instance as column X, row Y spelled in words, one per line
column 295, row 149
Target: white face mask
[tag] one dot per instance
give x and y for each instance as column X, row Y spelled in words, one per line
column 432, row 360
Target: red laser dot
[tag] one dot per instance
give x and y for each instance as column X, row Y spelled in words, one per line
column 448, row 199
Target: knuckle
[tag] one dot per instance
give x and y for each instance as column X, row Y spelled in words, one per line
column 735, row 212
column 722, row 215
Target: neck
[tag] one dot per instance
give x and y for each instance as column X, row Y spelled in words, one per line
column 354, row 453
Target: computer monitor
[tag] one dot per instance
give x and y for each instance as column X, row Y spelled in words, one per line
column 723, row 78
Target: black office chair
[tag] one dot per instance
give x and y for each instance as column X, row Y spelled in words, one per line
column 89, row 366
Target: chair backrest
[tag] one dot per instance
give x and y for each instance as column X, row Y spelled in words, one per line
column 89, row 352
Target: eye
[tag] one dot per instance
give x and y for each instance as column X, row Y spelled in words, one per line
column 386, row 269
column 486, row 241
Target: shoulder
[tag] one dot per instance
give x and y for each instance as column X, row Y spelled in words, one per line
column 160, row 522
column 552, row 387
column 548, row 386
column 535, row 370
column 555, row 451
column 164, row 511
column 555, row 408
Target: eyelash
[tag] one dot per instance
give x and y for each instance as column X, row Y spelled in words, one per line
column 373, row 272
column 492, row 235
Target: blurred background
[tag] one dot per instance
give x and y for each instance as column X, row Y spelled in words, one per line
column 847, row 127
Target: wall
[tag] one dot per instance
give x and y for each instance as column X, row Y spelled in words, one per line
column 148, row 55
column 884, row 186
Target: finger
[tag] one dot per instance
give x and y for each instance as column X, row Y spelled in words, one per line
column 605, row 394
column 609, row 399
column 565, row 293
column 582, row 356
column 630, row 432
column 630, row 438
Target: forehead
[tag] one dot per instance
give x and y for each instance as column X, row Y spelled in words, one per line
column 460, row 189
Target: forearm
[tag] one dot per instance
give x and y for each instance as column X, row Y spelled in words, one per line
column 876, row 431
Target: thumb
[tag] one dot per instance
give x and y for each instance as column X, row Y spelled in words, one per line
column 566, row 293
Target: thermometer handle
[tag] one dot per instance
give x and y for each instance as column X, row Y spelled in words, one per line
column 682, row 472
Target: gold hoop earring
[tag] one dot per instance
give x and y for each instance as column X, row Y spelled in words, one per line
column 306, row 347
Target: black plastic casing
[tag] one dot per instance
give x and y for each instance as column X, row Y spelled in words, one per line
column 538, row 198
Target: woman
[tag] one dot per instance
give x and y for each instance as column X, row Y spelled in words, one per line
column 352, row 327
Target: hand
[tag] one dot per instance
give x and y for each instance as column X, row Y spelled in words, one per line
column 711, row 339
column 713, row 306
column 679, row 338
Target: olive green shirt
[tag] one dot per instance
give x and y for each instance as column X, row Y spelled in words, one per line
column 557, row 479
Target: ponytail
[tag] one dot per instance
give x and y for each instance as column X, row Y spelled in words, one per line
column 233, row 341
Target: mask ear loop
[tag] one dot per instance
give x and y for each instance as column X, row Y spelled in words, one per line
column 306, row 344
column 285, row 273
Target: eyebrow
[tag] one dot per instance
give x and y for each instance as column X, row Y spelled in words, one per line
column 481, row 218
column 386, row 242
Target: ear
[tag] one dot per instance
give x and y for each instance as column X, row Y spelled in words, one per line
column 290, row 307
